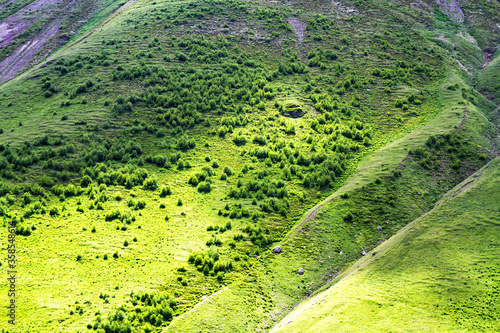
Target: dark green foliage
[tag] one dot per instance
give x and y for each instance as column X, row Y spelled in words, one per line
column 204, row 187
column 239, row 140
column 150, row 184
column 228, row 171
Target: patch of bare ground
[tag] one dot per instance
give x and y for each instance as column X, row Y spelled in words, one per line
column 22, row 56
column 298, row 27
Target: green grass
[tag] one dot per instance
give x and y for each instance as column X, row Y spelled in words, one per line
column 171, row 94
column 441, row 271
column 488, row 80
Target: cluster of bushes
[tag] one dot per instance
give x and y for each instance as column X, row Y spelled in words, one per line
column 220, row 229
column 64, row 66
column 450, row 148
column 209, row 262
column 128, row 176
column 49, row 88
column 258, row 236
column 146, row 310
column 18, row 159
column 68, row 191
column 182, row 97
column 319, row 56
column 116, row 214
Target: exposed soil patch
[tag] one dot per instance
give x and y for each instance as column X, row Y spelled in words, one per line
column 488, row 57
column 299, row 27
column 16, row 24
column 22, row 56
column 452, row 9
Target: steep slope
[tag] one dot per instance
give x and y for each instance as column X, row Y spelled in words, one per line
column 31, row 30
column 488, row 80
column 438, row 274
column 151, row 165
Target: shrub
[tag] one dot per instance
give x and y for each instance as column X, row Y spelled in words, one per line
column 193, row 180
column 348, row 217
column 165, row 190
column 179, row 202
column 228, row 171
column 150, row 184
column 141, row 204
column 204, row 187
column 85, row 181
column 114, row 215
column 260, row 140
column 239, row 140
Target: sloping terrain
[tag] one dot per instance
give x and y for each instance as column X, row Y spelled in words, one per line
column 439, row 274
column 488, row 81
column 176, row 163
column 31, row 30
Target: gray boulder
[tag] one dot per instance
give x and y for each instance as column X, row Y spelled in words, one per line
column 277, row 249
column 301, row 271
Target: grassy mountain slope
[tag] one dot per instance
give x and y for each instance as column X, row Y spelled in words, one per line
column 489, row 78
column 439, row 273
column 152, row 164
column 324, row 240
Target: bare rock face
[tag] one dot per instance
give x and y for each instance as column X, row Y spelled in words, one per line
column 301, row 271
column 277, row 249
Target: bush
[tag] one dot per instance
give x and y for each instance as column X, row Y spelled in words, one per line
column 150, row 184
column 179, row 202
column 204, row 187
column 228, row 171
column 114, row 215
column 85, row 181
column 165, row 190
column 141, row 204
column 239, row 140
column 260, row 140
column 348, row 217
column 193, row 180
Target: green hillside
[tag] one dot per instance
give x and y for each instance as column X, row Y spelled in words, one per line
column 150, row 167
column 439, row 274
column 488, row 81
